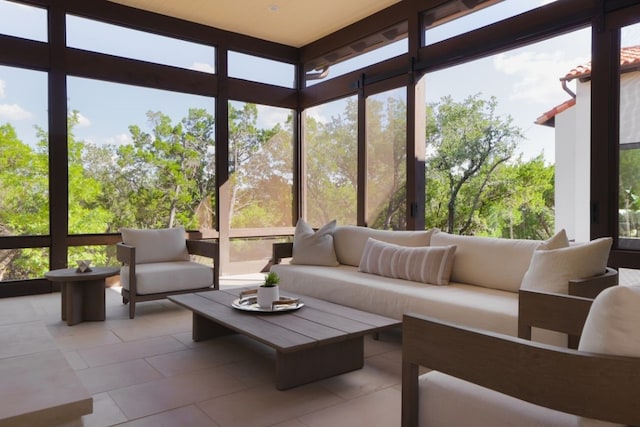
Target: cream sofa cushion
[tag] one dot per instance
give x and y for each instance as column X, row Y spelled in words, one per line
column 613, row 323
column 487, row 261
column 426, row 264
column 349, row 241
column 314, row 248
column 551, row 270
column 168, row 276
column 446, row 401
column 157, row 245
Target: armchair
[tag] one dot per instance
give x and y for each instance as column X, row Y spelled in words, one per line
column 157, row 263
column 489, row 379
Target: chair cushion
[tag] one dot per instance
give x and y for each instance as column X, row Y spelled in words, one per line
column 551, row 270
column 159, row 277
column 612, row 326
column 448, row 401
column 314, row 248
column 349, row 241
column 426, row 264
column 157, row 245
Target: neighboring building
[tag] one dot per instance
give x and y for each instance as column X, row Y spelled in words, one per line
column 571, row 120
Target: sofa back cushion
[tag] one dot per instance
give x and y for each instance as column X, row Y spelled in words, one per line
column 487, row 261
column 426, row 264
column 349, row 241
column 157, row 245
column 551, row 270
column 612, row 323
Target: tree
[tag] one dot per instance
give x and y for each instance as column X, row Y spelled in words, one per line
column 466, row 144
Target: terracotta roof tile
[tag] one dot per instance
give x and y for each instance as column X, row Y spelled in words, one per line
column 548, row 118
column 628, row 56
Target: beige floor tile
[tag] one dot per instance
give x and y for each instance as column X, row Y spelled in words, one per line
column 75, row 361
column 188, row 416
column 24, row 338
column 79, row 337
column 265, row 406
column 292, row 423
column 120, row 352
column 17, row 310
column 173, row 392
column 117, row 375
column 202, row 356
column 378, row 373
column 105, row 413
column 379, row 409
column 387, row 342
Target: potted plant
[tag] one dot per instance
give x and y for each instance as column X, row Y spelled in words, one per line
column 269, row 292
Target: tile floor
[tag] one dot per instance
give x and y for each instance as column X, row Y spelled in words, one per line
column 148, row 372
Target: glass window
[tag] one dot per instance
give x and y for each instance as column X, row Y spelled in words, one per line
column 372, row 57
column 443, row 28
column 22, row 264
column 260, row 165
column 21, row 20
column 490, row 168
column 331, row 159
column 139, row 157
column 100, row 37
column 629, row 198
column 387, row 159
column 24, row 153
column 262, row 70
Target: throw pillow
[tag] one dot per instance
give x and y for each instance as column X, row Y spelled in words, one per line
column 557, row 241
column 612, row 323
column 551, row 270
column 157, row 245
column 314, row 248
column 427, row 264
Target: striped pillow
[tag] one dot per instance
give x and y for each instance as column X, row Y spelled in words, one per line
column 427, row 264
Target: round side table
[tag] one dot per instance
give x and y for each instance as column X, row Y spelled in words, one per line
column 82, row 293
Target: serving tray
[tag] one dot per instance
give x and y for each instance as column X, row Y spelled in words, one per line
column 251, row 304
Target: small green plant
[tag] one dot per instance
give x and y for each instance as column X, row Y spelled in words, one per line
column 271, row 280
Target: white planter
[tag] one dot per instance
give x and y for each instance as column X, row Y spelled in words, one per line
column 266, row 296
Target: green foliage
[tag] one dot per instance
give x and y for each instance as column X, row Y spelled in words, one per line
column 271, row 280
column 467, row 145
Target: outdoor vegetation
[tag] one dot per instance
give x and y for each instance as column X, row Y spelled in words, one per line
column 476, row 183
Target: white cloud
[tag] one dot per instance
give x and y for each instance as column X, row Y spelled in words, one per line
column 269, row 116
column 3, row 86
column 13, row 112
column 120, row 139
column 83, row 121
column 537, row 74
column 201, row 66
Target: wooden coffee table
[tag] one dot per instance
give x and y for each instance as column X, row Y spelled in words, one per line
column 317, row 341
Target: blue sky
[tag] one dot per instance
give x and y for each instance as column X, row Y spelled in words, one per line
column 525, row 81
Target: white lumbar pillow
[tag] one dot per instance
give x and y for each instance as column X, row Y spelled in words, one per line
column 612, row 323
column 551, row 270
column 157, row 245
column 314, row 248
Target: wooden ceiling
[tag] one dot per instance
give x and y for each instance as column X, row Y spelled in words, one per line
column 291, row 22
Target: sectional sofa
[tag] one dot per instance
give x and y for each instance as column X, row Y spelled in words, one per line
column 467, row 280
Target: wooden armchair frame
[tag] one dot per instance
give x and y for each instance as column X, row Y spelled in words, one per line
column 126, row 254
column 584, row 384
column 559, row 312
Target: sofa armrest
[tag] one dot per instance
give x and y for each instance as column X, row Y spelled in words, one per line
column 580, row 383
column 208, row 249
column 590, row 287
column 555, row 312
column 281, row 250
